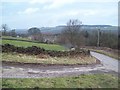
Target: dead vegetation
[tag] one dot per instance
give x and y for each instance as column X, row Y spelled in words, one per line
column 40, row 51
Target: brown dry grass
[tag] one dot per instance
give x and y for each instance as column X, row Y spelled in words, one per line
column 46, row 59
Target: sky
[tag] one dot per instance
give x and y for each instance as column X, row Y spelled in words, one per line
column 23, row 14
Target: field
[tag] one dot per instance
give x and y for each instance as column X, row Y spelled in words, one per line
column 45, row 59
column 82, row 81
column 17, row 38
column 23, row 58
column 29, row 44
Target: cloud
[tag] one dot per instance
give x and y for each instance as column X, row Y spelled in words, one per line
column 53, row 4
column 50, row 4
column 33, row 13
column 85, row 14
column 40, row 1
column 58, row 3
column 80, row 12
column 47, row 1
column 14, row 0
column 29, row 11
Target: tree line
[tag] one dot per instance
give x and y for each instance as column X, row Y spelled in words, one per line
column 73, row 36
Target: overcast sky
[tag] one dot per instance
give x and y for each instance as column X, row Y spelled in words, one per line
column 48, row 13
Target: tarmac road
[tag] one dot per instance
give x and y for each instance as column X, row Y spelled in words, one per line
column 108, row 62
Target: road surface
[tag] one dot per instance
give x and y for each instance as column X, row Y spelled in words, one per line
column 108, row 65
column 108, row 62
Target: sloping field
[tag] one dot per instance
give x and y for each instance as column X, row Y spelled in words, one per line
column 29, row 44
column 17, row 38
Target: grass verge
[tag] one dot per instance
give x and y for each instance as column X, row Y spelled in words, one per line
column 23, row 58
column 113, row 55
column 82, row 81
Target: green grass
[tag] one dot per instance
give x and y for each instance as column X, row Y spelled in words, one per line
column 113, row 55
column 23, row 58
column 82, row 81
column 29, row 44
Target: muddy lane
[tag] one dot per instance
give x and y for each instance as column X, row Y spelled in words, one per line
column 108, row 65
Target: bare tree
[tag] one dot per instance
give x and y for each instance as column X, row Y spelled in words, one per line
column 72, row 32
column 4, row 28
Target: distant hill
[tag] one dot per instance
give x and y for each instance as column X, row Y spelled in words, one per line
column 58, row 29
column 21, row 31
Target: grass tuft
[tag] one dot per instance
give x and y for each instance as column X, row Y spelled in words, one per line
column 23, row 58
column 82, row 81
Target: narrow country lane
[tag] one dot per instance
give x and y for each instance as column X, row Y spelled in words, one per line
column 108, row 62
